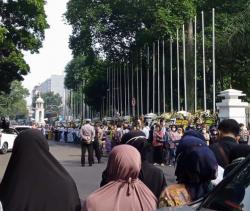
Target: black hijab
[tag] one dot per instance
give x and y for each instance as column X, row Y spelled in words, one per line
column 34, row 180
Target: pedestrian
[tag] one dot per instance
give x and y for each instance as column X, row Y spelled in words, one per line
column 108, row 140
column 65, row 134
column 150, row 175
column 87, row 133
column 124, row 191
column 205, row 134
column 213, row 135
column 228, row 131
column 146, row 130
column 195, row 169
column 125, row 128
column 180, row 130
column 158, row 144
column 96, row 145
column 244, row 134
column 174, row 138
column 117, row 134
column 34, row 180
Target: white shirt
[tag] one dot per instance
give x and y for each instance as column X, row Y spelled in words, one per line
column 87, row 131
column 146, row 130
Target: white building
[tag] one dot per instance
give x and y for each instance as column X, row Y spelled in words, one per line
column 53, row 84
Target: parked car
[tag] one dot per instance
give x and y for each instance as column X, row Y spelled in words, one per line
column 231, row 194
column 20, row 128
column 7, row 138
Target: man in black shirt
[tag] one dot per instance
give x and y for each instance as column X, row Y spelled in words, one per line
column 227, row 132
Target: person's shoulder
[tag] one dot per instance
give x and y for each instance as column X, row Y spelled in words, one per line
column 150, row 167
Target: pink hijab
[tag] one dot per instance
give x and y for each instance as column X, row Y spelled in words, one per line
column 124, row 192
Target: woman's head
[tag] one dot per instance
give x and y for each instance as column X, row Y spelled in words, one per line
column 173, row 128
column 124, row 163
column 30, row 141
column 158, row 127
column 180, row 130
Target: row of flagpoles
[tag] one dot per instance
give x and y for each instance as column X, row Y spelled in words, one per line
column 125, row 96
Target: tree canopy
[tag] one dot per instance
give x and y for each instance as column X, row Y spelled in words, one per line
column 14, row 103
column 116, row 30
column 52, row 102
column 22, row 28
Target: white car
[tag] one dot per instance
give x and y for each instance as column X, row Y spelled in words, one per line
column 20, row 128
column 7, row 138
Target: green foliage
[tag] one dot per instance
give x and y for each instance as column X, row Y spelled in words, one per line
column 116, row 27
column 22, row 26
column 116, row 30
column 14, row 103
column 52, row 102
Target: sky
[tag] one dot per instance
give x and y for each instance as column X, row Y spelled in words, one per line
column 55, row 54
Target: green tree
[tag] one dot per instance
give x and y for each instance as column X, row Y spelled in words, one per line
column 116, row 30
column 22, row 27
column 52, row 102
column 14, row 103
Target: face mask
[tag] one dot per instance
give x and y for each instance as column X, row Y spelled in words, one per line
column 173, row 129
column 204, row 131
column 214, row 132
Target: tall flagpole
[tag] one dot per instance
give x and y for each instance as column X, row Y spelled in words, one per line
column 214, row 84
column 141, row 82
column 195, row 63
column 120, row 87
column 115, row 108
column 107, row 89
column 137, row 86
column 112, row 90
column 178, row 69
column 163, row 75
column 132, row 80
column 171, row 73
column 109, row 92
column 148, row 80
column 128, row 100
column 153, row 78
column 204, row 62
column 158, row 77
column 184, row 67
column 117, row 87
column 125, row 89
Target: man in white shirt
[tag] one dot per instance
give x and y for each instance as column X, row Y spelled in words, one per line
column 87, row 133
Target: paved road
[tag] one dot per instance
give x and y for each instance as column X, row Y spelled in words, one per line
column 87, row 178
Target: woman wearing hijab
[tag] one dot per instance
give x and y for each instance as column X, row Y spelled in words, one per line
column 150, row 175
column 196, row 168
column 124, row 191
column 34, row 180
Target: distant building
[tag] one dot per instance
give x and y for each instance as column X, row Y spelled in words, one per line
column 53, row 84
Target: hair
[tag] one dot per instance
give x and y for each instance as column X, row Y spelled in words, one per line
column 229, row 126
column 241, row 125
column 158, row 125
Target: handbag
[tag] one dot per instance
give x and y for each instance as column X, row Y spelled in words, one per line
column 179, row 196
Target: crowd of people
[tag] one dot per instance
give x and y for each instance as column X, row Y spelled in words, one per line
column 132, row 180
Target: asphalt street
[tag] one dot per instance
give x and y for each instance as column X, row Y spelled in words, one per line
column 87, row 178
